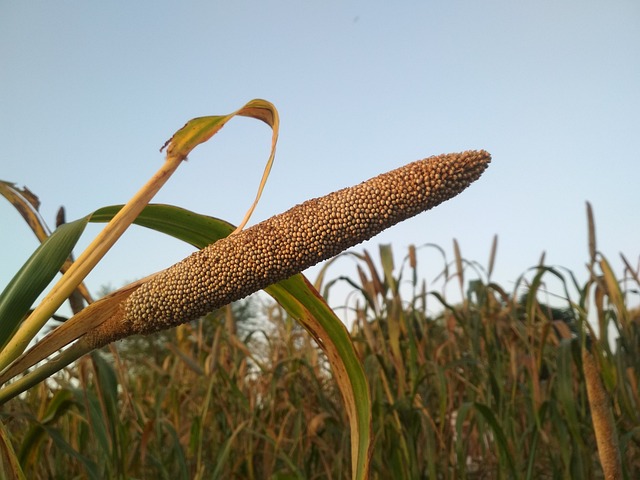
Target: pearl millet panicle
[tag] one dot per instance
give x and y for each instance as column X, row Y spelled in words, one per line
column 286, row 244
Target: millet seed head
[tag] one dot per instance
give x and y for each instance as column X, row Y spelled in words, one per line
column 286, row 244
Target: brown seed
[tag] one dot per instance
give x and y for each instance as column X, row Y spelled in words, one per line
column 286, row 244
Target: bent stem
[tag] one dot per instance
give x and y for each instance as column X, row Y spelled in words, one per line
column 86, row 262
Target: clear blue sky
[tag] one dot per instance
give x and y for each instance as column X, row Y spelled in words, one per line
column 91, row 90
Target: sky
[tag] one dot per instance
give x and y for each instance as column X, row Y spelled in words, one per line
column 89, row 91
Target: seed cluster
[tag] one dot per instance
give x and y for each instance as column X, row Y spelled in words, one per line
column 286, row 244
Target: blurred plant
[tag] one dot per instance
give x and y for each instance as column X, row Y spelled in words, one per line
column 501, row 384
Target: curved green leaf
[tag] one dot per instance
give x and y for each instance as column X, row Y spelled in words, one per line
column 501, row 438
column 59, row 404
column 300, row 299
column 34, row 276
column 195, row 229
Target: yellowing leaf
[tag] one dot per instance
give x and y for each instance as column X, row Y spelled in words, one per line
column 201, row 129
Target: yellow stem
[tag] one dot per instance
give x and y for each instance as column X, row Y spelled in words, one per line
column 86, row 262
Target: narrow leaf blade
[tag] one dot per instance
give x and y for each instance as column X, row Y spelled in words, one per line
column 34, row 276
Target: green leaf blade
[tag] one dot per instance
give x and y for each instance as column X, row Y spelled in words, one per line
column 34, row 276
